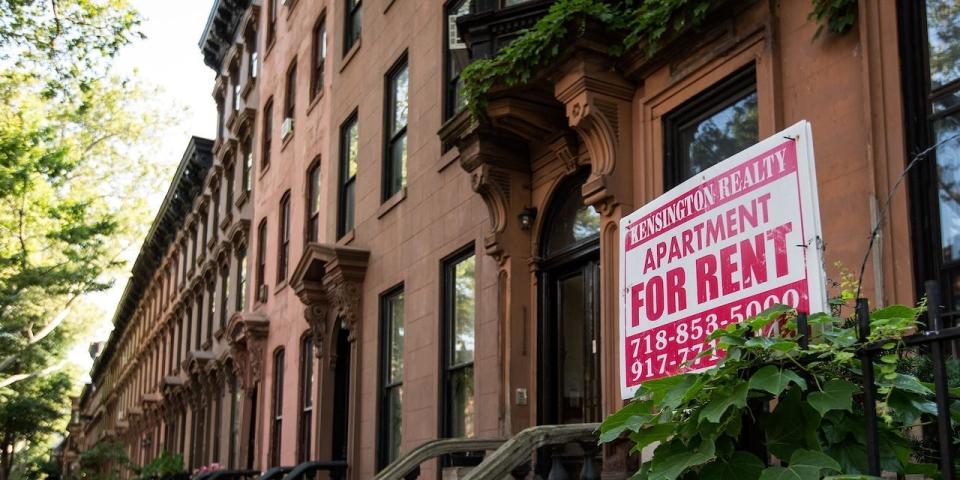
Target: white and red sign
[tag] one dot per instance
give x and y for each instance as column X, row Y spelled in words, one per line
column 722, row 246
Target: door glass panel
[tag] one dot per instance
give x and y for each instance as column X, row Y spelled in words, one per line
column 948, row 169
column 573, row 345
column 572, row 224
column 943, row 34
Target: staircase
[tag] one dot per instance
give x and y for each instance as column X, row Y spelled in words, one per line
column 517, row 458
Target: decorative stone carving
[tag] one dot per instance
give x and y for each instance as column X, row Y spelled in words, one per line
column 247, row 335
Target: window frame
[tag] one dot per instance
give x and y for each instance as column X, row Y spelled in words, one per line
column 290, row 92
column 318, row 55
column 919, row 134
column 261, row 277
column 313, row 188
column 345, row 182
column 224, row 293
column 390, row 139
column 384, row 385
column 241, row 280
column 351, row 38
column 276, row 400
column 447, row 308
column 709, row 101
column 283, row 239
column 266, row 142
column 305, row 418
column 246, row 150
column 449, row 101
column 271, row 22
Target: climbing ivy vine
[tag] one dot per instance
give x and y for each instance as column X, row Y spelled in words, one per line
column 629, row 24
column 769, row 398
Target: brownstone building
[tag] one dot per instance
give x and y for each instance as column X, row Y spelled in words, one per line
column 332, row 280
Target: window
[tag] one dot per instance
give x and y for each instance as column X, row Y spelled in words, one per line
column 235, row 81
column 228, row 179
column 277, row 416
column 234, row 421
column 391, row 376
column 241, row 279
column 458, row 326
column 319, row 56
column 188, row 319
column 220, row 114
column 211, row 306
column 253, row 59
column 215, row 221
column 290, row 100
column 224, row 293
column 306, row 399
column 267, row 134
column 283, row 238
column 203, row 224
column 395, row 127
column 217, row 424
column 261, row 259
column 931, row 83
column 247, row 163
column 456, row 58
column 272, row 21
column 313, row 203
column 710, row 127
column 199, row 321
column 352, row 24
column 348, row 175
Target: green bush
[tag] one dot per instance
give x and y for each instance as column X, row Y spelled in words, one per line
column 772, row 410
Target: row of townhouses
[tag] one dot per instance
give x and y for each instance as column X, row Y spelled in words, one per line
column 356, row 266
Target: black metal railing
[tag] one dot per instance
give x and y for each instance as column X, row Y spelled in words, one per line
column 933, row 343
column 276, row 473
column 229, row 475
column 308, row 470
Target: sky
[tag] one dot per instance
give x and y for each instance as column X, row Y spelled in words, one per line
column 170, row 58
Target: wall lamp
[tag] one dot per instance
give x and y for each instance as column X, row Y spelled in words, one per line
column 527, row 216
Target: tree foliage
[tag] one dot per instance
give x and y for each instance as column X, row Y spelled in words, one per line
column 75, row 174
column 627, row 24
column 770, row 398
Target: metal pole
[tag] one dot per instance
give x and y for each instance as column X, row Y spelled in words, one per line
column 940, row 381
column 869, row 389
column 803, row 330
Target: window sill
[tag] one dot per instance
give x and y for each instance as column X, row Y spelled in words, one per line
column 242, row 199
column 293, row 5
column 226, row 221
column 280, row 286
column 391, row 202
column 315, row 100
column 286, row 141
column 347, row 238
column 213, row 241
column 219, row 333
column 347, row 57
column 263, row 171
column 448, row 157
column 207, row 344
column 266, row 53
column 248, row 87
column 387, row 7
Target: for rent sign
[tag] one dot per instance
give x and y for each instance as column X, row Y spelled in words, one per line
column 725, row 245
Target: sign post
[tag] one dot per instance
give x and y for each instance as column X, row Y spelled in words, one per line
column 722, row 246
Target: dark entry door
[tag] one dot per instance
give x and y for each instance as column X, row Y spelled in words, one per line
column 571, row 360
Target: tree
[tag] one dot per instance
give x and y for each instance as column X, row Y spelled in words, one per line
column 74, row 177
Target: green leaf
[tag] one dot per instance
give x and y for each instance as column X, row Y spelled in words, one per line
column 655, row 433
column 672, row 459
column 803, row 465
column 740, row 466
column 774, row 379
column 722, row 400
column 836, row 395
column 632, row 416
column 792, row 426
column 893, row 312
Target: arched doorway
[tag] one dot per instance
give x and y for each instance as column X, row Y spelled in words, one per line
column 569, row 291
